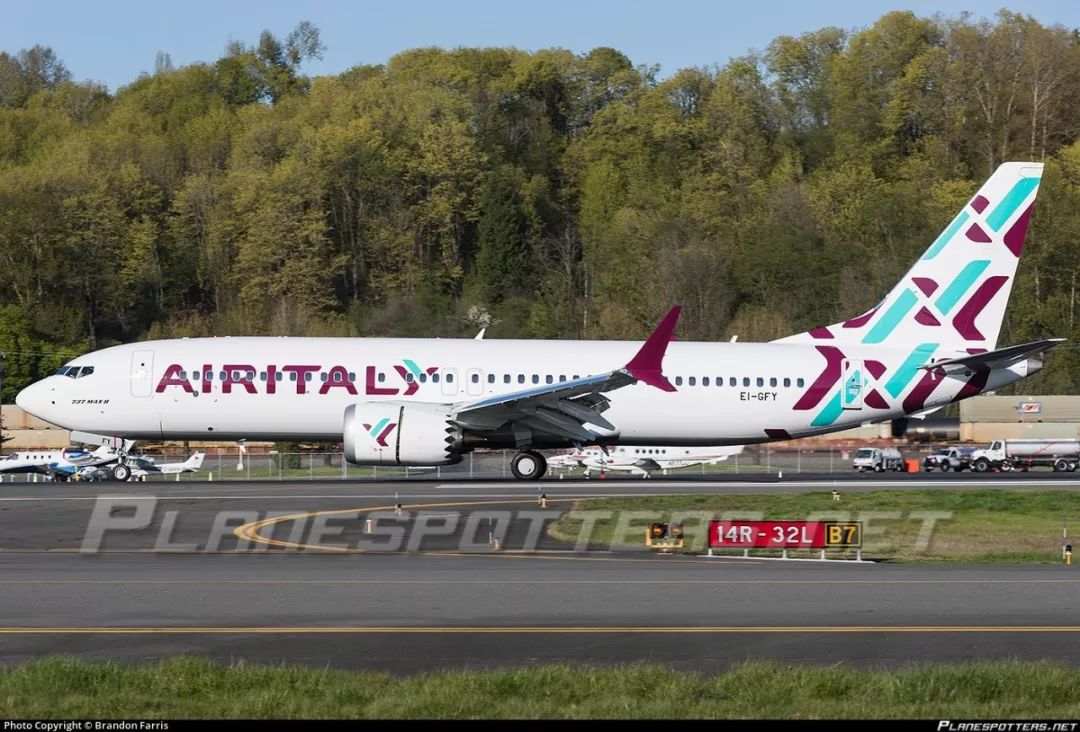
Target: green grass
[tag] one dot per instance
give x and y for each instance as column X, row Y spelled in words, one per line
column 981, row 526
column 193, row 688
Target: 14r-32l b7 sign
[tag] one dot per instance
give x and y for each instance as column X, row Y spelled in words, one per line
column 784, row 534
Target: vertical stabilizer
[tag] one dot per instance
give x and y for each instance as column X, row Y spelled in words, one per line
column 955, row 294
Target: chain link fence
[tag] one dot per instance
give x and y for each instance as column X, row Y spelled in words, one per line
column 481, row 464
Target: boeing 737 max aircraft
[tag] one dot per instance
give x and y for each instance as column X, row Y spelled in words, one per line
column 402, row 401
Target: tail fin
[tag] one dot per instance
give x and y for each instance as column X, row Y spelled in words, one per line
column 194, row 462
column 955, row 294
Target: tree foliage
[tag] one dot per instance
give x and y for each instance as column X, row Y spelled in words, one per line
column 550, row 194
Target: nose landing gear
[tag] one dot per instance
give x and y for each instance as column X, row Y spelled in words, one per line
column 528, row 465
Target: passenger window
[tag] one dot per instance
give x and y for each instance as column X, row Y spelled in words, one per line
column 382, row 377
column 183, row 375
column 435, row 378
column 409, row 377
column 562, row 378
column 787, row 382
column 704, row 380
column 772, row 381
column 549, row 379
column 800, row 382
column 279, row 376
column 449, row 378
column 223, row 375
column 292, row 376
column 678, row 381
column 746, row 381
column 322, row 376
column 491, row 378
column 760, row 381
column 196, row 376
column 476, row 378
column 262, row 376
column 337, row 377
column 732, row 381
column 692, row 380
column 423, row 378
column 536, row 378
column 521, row 378
column 307, row 376
column 506, row 378
column 352, row 376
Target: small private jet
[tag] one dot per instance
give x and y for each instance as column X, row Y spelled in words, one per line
column 58, row 464
column 139, row 467
column 642, row 460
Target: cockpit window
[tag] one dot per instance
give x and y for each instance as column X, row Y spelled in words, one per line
column 86, row 371
column 12, row 456
column 70, row 371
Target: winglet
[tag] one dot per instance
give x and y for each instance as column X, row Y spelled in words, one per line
column 648, row 364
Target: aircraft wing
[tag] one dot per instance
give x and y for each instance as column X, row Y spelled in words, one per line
column 564, row 408
column 1001, row 358
column 648, row 464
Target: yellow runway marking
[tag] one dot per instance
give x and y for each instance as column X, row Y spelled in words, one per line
column 251, row 531
column 533, row 630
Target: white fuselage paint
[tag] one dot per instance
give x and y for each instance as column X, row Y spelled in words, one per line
column 124, row 396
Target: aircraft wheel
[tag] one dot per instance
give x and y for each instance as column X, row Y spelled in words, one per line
column 528, row 465
column 121, row 473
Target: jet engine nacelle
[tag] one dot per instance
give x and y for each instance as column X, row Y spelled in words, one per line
column 393, row 433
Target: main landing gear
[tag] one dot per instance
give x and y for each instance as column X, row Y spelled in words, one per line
column 528, row 465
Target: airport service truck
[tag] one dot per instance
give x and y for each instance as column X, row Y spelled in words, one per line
column 878, row 459
column 1061, row 455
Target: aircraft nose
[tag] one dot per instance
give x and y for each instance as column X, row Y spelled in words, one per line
column 32, row 399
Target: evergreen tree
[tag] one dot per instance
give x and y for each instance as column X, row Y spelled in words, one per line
column 502, row 261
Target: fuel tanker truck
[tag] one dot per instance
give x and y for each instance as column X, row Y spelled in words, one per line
column 1061, row 455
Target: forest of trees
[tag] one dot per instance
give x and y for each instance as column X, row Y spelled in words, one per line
column 546, row 194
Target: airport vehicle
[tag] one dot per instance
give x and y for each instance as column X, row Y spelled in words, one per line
column 58, row 464
column 396, row 401
column 878, row 459
column 951, row 458
column 137, row 467
column 642, row 460
column 1061, row 455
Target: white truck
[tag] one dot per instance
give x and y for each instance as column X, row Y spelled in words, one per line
column 878, row 459
column 1061, row 455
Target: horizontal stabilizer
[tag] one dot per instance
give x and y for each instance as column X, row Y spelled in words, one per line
column 1001, row 358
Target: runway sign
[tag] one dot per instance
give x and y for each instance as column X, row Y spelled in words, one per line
column 784, row 535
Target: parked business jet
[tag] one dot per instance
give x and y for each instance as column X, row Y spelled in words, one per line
column 641, row 460
column 399, row 401
column 58, row 464
column 139, row 467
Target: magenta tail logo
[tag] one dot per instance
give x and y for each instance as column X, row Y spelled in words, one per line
column 381, row 431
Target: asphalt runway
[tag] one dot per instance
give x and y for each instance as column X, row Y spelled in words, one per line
column 436, row 606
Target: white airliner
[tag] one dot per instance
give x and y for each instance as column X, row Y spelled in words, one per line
column 57, row 464
column 397, row 401
column 641, row 460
